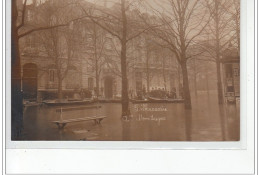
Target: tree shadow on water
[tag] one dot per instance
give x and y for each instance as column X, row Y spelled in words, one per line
column 188, row 124
column 126, row 134
column 222, row 116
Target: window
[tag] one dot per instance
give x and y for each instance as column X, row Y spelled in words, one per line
column 236, row 72
column 51, row 75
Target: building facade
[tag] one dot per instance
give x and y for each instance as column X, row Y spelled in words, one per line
column 230, row 68
column 83, row 57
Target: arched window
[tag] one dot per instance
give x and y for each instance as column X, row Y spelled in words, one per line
column 52, row 73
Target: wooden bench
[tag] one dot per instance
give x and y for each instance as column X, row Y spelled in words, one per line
column 62, row 123
column 62, row 109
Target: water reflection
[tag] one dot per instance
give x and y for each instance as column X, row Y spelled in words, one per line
column 188, row 124
column 222, row 116
column 207, row 121
column 126, row 133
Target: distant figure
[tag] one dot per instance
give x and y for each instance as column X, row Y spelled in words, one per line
column 168, row 94
column 181, row 92
column 174, row 93
column 82, row 94
column 102, row 90
column 131, row 94
column 76, row 96
column 144, row 90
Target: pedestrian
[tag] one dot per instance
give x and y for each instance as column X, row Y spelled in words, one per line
column 174, row 93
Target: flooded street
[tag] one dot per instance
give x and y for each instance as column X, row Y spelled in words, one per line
column 207, row 121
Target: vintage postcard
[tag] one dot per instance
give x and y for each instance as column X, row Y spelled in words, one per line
column 125, row 70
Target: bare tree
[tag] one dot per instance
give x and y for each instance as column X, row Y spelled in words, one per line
column 219, row 35
column 119, row 24
column 60, row 43
column 149, row 54
column 166, row 63
column 97, row 58
column 182, row 22
column 198, row 67
column 194, row 73
column 60, row 51
column 21, row 27
column 207, row 78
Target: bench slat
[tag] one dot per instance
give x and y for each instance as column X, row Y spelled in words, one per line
column 77, row 108
column 79, row 119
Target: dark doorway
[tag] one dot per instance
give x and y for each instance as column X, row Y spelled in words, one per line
column 29, row 81
column 108, row 87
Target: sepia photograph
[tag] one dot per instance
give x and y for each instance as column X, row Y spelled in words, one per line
column 125, row 70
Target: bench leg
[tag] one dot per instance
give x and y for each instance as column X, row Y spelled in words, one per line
column 61, row 125
column 98, row 121
column 58, row 125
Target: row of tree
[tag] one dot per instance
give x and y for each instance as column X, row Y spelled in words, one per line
column 176, row 25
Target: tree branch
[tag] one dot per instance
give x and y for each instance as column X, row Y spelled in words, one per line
column 23, row 15
column 138, row 34
column 100, row 25
column 39, row 29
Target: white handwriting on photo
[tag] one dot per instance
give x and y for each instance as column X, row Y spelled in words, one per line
column 140, row 117
column 145, row 107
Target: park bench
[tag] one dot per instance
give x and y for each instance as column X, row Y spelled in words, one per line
column 62, row 123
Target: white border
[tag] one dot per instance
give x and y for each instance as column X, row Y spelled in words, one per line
column 2, row 87
column 245, row 16
column 77, row 161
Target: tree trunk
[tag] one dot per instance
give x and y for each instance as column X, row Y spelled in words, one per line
column 195, row 85
column 186, row 89
column 16, row 95
column 219, row 84
column 59, row 88
column 179, row 81
column 96, row 61
column 147, row 76
column 207, row 79
column 125, row 98
column 164, row 75
column 97, row 85
column 148, row 84
column 147, row 69
column 195, row 78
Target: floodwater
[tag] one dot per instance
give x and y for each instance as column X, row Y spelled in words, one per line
column 207, row 121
